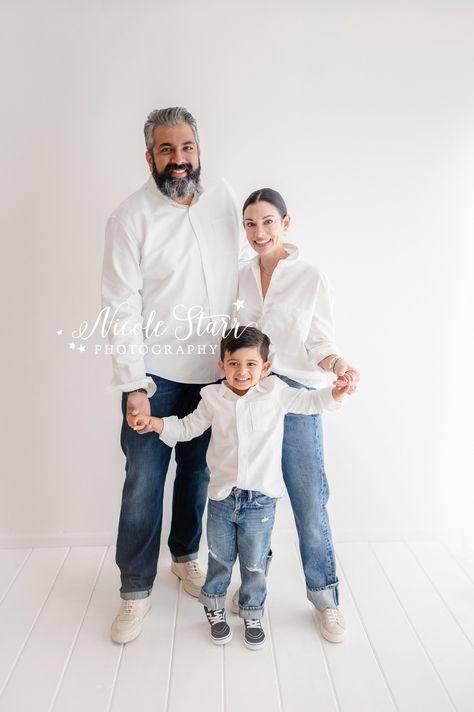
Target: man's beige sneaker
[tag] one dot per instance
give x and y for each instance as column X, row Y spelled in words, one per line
column 332, row 625
column 128, row 622
column 191, row 575
column 234, row 604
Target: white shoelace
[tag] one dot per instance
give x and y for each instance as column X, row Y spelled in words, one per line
column 253, row 622
column 217, row 616
column 127, row 607
column 333, row 615
column 193, row 568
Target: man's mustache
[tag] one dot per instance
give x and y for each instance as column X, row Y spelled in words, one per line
column 177, row 167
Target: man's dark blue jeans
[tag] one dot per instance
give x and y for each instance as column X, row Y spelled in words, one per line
column 147, row 460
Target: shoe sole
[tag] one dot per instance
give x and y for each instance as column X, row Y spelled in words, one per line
column 222, row 641
column 332, row 637
column 254, row 646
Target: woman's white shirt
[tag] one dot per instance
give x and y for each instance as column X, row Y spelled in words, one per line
column 296, row 314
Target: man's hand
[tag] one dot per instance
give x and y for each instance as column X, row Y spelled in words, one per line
column 138, row 402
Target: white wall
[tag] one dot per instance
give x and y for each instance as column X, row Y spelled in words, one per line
column 361, row 113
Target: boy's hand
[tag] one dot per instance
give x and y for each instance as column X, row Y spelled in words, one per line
column 339, row 393
column 140, row 422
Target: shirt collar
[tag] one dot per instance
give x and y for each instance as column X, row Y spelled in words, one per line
column 226, row 391
column 293, row 255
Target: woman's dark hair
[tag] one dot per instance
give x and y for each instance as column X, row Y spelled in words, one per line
column 243, row 337
column 267, row 195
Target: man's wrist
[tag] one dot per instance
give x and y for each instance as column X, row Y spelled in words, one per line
column 138, row 390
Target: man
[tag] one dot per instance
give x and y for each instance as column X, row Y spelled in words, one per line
column 169, row 278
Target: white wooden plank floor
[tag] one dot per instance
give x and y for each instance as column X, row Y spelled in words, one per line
column 409, row 607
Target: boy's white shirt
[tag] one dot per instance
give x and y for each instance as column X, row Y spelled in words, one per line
column 296, row 314
column 247, row 432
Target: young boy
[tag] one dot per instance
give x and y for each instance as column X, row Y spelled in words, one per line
column 246, row 415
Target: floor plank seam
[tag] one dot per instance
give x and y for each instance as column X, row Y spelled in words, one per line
column 28, row 635
column 115, row 678
column 454, row 555
column 453, row 616
column 18, row 572
column 171, row 656
column 418, row 637
column 76, row 636
column 367, row 635
column 224, row 681
column 316, row 626
column 275, row 663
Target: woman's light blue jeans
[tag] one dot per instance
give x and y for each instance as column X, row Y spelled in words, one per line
column 307, row 486
column 240, row 524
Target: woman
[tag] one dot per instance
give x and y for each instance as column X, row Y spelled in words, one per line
column 290, row 301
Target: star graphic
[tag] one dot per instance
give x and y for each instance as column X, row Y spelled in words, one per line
column 239, row 304
column 72, row 346
column 81, row 348
column 59, row 332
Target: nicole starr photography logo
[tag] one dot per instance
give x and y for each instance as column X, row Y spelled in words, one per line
column 188, row 331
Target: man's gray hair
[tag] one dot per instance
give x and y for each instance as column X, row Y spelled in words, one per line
column 172, row 116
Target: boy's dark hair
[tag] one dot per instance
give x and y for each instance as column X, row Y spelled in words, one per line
column 243, row 337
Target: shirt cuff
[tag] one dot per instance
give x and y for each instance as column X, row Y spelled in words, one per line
column 328, row 402
column 318, row 354
column 170, row 433
column 147, row 383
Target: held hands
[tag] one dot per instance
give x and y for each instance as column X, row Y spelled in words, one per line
column 140, row 422
column 138, row 404
column 347, row 377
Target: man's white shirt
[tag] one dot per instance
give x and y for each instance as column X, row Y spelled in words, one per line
column 247, row 432
column 161, row 260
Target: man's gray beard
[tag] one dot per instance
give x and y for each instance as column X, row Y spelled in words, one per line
column 180, row 188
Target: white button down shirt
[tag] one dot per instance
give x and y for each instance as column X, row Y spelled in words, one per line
column 296, row 314
column 161, row 259
column 247, row 432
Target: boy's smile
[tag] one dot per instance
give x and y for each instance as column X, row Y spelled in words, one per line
column 243, row 368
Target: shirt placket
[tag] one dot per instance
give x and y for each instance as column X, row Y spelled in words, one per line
column 241, row 417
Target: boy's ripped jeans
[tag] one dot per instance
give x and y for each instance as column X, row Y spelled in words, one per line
column 242, row 524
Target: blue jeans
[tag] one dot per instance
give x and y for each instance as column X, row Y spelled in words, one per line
column 242, row 524
column 147, row 460
column 308, row 489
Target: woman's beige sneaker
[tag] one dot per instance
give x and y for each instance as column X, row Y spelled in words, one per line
column 128, row 622
column 191, row 575
column 332, row 625
column 234, row 604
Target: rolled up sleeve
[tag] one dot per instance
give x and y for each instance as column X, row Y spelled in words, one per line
column 320, row 342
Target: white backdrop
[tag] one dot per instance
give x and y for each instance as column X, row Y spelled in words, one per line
column 361, row 114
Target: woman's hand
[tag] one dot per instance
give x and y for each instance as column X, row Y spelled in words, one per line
column 346, row 375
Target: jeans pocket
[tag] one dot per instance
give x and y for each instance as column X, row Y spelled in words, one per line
column 262, row 500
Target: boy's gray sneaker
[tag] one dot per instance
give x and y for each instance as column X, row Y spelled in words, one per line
column 220, row 631
column 254, row 636
column 234, row 604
